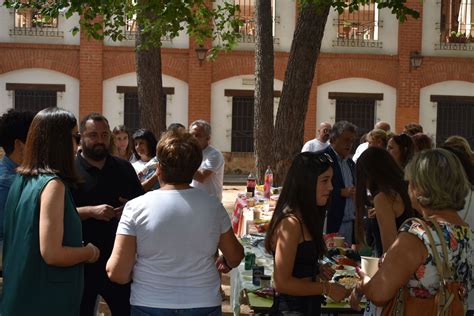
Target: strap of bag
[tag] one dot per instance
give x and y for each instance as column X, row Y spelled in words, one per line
column 439, row 265
column 468, row 205
column 448, row 273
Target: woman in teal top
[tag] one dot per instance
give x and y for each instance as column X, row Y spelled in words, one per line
column 43, row 252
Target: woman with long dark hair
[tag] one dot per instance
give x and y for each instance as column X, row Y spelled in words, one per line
column 145, row 165
column 402, row 148
column 379, row 174
column 43, row 252
column 295, row 236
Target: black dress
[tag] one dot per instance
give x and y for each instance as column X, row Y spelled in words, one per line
column 374, row 225
column 306, row 265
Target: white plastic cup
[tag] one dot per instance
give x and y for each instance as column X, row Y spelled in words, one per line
column 370, row 265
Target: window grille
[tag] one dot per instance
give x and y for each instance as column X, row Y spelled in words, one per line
column 242, row 124
column 34, row 100
column 456, row 24
column 247, row 16
column 359, row 28
column 455, row 118
column 132, row 111
column 30, row 22
column 360, row 112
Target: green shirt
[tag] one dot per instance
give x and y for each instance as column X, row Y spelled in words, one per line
column 30, row 285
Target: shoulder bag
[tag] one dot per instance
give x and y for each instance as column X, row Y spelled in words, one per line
column 448, row 301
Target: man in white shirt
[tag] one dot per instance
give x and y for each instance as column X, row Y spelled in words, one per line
column 362, row 147
column 320, row 142
column 210, row 175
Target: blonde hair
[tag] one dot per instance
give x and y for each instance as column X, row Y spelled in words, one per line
column 439, row 178
column 378, row 134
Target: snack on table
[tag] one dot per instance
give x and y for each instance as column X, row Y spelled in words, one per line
column 266, row 292
column 345, row 261
column 349, row 281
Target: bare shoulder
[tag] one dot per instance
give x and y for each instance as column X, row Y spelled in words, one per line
column 409, row 245
column 386, row 197
column 290, row 226
column 55, row 185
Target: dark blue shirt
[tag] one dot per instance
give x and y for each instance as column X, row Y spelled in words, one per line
column 7, row 175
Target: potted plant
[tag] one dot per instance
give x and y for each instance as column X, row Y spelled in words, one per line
column 457, row 37
column 346, row 28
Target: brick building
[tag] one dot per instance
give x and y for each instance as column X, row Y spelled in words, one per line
column 370, row 68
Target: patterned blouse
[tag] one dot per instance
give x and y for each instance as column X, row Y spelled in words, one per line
column 459, row 239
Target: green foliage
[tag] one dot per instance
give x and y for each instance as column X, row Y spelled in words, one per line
column 201, row 19
column 107, row 18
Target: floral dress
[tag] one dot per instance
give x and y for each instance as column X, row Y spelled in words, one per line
column 459, row 240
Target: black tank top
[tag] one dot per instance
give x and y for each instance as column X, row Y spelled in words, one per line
column 378, row 248
column 306, row 265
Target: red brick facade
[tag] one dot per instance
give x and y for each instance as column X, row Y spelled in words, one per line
column 92, row 62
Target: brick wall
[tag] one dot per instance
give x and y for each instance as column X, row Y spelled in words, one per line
column 92, row 63
column 90, row 75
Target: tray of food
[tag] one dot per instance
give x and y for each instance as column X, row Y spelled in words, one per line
column 349, row 281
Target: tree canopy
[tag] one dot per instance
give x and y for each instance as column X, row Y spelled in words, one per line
column 201, row 19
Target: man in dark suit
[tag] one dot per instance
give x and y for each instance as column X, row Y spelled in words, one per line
column 341, row 210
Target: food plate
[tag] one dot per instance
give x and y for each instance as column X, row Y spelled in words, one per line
column 349, row 281
column 341, row 267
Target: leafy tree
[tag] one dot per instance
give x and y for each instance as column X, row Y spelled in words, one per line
column 288, row 132
column 199, row 18
column 203, row 21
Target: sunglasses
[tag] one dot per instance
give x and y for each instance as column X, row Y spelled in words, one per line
column 77, row 137
column 325, row 158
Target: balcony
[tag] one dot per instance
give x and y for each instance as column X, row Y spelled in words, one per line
column 132, row 36
column 456, row 37
column 248, row 34
column 36, row 31
column 357, row 34
column 28, row 22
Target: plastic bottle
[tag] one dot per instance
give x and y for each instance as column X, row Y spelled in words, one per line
column 251, row 182
column 267, row 185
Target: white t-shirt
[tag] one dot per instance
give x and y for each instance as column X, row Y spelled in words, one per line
column 177, row 234
column 138, row 165
column 314, row 145
column 360, row 149
column 212, row 159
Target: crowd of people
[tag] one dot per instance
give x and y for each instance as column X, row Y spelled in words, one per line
column 88, row 211
column 376, row 193
column 78, row 223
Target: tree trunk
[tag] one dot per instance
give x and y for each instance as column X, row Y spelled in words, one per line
column 264, row 73
column 151, row 98
column 289, row 125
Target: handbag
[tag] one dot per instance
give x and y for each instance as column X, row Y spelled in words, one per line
column 448, row 301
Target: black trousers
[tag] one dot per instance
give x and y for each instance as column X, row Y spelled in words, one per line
column 97, row 283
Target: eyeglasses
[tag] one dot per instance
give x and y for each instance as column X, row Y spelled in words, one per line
column 325, row 130
column 77, row 137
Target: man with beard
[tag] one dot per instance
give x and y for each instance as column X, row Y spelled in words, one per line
column 107, row 183
column 320, row 142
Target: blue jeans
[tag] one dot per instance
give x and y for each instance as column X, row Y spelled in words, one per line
column 151, row 311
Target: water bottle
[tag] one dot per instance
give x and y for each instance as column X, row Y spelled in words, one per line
column 251, row 182
column 267, row 185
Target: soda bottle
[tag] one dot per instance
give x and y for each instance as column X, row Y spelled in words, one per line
column 267, row 185
column 251, row 182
